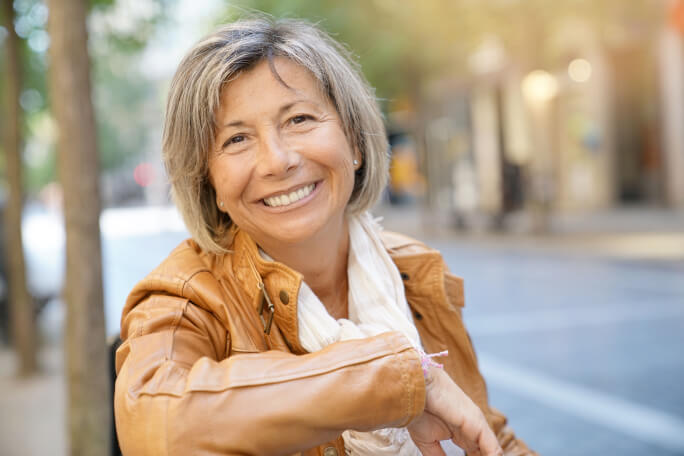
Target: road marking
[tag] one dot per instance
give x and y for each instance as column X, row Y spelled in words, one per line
column 634, row 420
column 554, row 319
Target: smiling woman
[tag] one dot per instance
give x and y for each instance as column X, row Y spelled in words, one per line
column 290, row 323
column 283, row 168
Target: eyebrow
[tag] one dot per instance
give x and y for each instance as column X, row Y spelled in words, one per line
column 284, row 108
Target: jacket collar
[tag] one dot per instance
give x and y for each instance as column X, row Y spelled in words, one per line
column 421, row 268
column 280, row 282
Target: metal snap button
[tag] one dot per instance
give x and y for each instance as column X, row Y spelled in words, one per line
column 284, row 297
column 330, row 451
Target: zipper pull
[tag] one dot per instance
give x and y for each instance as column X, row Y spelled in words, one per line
column 271, row 308
column 264, row 299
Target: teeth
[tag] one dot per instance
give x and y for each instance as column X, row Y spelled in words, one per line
column 293, row 197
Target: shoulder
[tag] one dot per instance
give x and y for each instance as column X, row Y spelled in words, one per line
column 411, row 256
column 185, row 261
column 400, row 244
column 188, row 272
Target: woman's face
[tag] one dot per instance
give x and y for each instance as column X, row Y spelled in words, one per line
column 281, row 162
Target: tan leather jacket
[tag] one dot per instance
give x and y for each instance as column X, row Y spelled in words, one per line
column 198, row 375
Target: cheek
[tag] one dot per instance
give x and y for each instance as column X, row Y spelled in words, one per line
column 229, row 181
column 339, row 155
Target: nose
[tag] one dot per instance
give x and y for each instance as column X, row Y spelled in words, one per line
column 276, row 157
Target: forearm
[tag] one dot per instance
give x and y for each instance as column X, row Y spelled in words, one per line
column 272, row 402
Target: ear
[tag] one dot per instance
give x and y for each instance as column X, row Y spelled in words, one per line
column 358, row 159
column 220, row 205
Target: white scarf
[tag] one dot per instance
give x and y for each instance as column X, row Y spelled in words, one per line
column 377, row 304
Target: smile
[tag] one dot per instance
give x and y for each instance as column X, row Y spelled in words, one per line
column 289, row 198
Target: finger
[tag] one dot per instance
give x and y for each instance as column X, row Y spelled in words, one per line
column 469, row 445
column 489, row 445
column 472, row 429
column 431, row 449
column 475, row 436
column 470, row 448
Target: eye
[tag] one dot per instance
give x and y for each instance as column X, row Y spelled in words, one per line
column 234, row 140
column 301, row 118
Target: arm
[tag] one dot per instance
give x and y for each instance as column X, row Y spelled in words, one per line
column 176, row 394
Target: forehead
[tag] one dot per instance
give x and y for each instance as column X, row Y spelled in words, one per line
column 272, row 81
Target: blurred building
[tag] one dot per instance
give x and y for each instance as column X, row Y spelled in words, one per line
column 406, row 184
column 602, row 127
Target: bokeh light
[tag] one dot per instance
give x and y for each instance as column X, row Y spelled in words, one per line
column 143, row 174
column 539, row 86
column 579, row 70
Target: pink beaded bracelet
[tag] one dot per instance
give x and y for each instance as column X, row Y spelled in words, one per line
column 426, row 360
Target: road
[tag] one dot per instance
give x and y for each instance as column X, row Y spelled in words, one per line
column 583, row 354
column 582, row 351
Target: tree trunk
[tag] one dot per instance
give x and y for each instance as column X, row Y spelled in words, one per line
column 69, row 79
column 21, row 306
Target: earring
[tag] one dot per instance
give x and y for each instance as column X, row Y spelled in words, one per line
column 356, row 162
column 221, row 204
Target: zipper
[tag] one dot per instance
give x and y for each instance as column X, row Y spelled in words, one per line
column 265, row 301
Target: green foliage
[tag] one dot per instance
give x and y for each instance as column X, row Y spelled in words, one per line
column 117, row 94
column 133, row 38
column 101, row 3
column 42, row 173
column 401, row 45
column 120, row 101
column 361, row 25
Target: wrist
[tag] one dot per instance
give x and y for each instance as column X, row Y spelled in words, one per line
column 427, row 361
column 429, row 366
column 430, row 377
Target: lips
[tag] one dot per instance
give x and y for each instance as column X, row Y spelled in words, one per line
column 292, row 197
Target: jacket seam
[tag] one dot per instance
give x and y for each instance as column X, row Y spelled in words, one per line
column 173, row 327
column 186, row 281
column 405, row 379
column 250, row 382
column 305, row 373
column 256, row 381
column 437, row 291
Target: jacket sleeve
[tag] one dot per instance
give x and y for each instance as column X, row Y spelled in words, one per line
column 177, row 392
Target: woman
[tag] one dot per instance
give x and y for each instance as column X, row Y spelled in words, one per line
column 290, row 323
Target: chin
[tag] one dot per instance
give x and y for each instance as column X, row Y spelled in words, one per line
column 298, row 232
column 295, row 236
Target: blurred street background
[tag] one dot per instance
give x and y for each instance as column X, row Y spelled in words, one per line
column 539, row 145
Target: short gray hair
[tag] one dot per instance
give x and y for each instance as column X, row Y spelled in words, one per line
column 194, row 98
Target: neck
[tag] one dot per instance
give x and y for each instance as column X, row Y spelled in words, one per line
column 322, row 260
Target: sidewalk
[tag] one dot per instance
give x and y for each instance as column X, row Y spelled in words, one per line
column 32, row 411
column 622, row 233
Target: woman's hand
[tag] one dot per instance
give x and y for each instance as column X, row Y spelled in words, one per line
column 451, row 415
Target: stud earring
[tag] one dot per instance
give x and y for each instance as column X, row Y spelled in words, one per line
column 221, row 204
column 356, row 162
